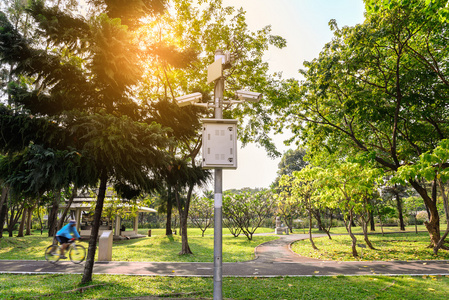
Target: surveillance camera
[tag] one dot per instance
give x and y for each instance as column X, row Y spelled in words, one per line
column 189, row 99
column 248, row 96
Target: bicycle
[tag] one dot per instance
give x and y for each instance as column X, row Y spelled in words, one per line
column 76, row 253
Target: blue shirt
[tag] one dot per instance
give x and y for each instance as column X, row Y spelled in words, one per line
column 67, row 231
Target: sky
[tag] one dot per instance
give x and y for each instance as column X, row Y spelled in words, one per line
column 304, row 24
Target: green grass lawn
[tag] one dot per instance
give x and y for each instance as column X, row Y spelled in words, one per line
column 157, row 248
column 165, row 249
column 391, row 246
column 134, row 287
column 160, row 248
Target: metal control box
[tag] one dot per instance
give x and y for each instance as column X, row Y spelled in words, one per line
column 219, row 144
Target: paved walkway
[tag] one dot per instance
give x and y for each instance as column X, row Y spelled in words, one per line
column 272, row 259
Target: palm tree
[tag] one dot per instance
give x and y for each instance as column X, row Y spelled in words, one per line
column 79, row 96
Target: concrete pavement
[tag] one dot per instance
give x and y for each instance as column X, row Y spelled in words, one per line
column 272, row 259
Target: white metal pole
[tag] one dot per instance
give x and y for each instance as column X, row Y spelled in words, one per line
column 218, row 198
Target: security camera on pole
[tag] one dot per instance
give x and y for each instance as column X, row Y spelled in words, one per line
column 219, row 147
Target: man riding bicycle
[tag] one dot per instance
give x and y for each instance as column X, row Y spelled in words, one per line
column 65, row 235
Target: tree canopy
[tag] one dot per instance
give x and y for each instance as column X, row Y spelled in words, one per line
column 194, row 30
column 72, row 88
column 379, row 89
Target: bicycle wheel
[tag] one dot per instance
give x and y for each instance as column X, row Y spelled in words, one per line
column 77, row 254
column 52, row 253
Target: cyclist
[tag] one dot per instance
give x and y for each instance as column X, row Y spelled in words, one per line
column 65, row 235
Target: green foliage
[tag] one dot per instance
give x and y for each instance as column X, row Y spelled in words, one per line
column 125, row 148
column 413, row 204
column 378, row 87
column 202, row 29
column 83, row 73
column 134, row 10
column 201, row 212
column 430, row 165
column 297, row 193
column 292, row 160
column 39, row 169
column 89, row 65
column 248, row 210
column 184, row 40
column 432, row 8
column 378, row 91
column 288, row 207
column 343, row 186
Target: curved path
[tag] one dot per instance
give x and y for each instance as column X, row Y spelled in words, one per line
column 278, row 251
column 272, row 259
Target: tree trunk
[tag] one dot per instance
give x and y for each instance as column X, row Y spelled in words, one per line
column 416, row 223
column 290, row 225
column 89, row 266
column 232, row 226
column 67, row 208
column 39, row 215
column 183, row 216
column 353, row 223
column 168, row 229
column 321, row 224
column 14, row 217
column 53, row 216
column 328, row 230
column 381, row 224
column 317, row 214
column 353, row 238
column 22, row 223
column 310, row 230
column 446, row 210
column 185, row 248
column 433, row 226
column 371, row 221
column 3, row 209
column 289, row 222
column 29, row 220
column 10, row 227
column 364, row 220
column 365, row 235
column 400, row 214
column 3, row 218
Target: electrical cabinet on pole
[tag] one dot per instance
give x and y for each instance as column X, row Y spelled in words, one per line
column 219, row 147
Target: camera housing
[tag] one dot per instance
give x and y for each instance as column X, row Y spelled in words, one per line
column 189, row 99
column 248, row 96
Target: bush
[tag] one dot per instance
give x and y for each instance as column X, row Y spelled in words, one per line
column 269, row 223
column 411, row 221
column 422, row 216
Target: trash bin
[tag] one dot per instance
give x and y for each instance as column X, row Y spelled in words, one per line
column 149, row 232
column 105, row 246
